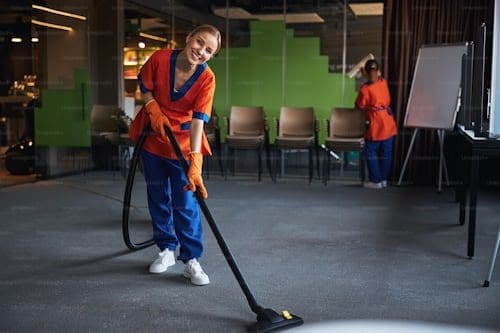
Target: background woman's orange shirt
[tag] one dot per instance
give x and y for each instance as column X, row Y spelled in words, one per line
column 374, row 99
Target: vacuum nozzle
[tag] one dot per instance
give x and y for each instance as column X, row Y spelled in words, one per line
column 269, row 320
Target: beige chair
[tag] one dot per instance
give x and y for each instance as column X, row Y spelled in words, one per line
column 297, row 129
column 247, row 130
column 105, row 135
column 346, row 129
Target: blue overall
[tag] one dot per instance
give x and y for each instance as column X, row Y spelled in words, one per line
column 174, row 211
column 379, row 159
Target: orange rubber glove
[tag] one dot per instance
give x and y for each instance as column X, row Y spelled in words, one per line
column 194, row 174
column 157, row 118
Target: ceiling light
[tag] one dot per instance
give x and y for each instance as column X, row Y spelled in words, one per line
column 148, row 24
column 34, row 39
column 233, row 13
column 368, row 9
column 59, row 12
column 291, row 18
column 50, row 25
column 158, row 38
column 141, row 45
column 16, row 40
column 237, row 13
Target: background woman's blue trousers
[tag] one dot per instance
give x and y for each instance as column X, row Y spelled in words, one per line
column 379, row 159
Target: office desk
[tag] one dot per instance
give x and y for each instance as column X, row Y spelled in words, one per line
column 473, row 150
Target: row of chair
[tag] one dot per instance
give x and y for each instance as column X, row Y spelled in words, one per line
column 296, row 128
column 247, row 129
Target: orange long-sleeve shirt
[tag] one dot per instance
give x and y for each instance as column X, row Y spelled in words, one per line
column 374, row 99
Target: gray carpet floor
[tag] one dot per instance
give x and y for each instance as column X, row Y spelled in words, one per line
column 331, row 253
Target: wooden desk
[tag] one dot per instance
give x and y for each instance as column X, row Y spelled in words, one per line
column 474, row 149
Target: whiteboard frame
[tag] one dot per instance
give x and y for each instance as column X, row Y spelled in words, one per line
column 465, row 44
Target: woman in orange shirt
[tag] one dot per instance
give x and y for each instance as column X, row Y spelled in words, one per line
column 177, row 88
column 374, row 99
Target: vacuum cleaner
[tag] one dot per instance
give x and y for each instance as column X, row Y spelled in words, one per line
column 268, row 320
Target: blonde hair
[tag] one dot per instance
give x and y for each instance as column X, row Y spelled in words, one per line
column 210, row 29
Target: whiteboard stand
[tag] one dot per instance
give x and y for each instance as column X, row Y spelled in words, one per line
column 442, row 160
column 412, row 142
column 435, row 95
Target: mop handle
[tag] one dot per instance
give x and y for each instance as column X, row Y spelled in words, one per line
column 211, row 222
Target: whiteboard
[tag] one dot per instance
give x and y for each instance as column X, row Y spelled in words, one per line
column 435, row 87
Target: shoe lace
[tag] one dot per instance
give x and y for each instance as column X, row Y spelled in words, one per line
column 195, row 266
column 163, row 255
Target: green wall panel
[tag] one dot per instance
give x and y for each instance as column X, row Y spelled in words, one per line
column 255, row 75
column 60, row 120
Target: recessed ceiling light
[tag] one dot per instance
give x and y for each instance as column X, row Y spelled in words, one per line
column 233, row 13
column 237, row 13
column 58, row 12
column 16, row 40
column 367, row 9
column 158, row 38
column 141, row 45
column 292, row 17
column 51, row 25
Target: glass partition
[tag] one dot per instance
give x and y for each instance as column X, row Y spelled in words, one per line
column 295, row 54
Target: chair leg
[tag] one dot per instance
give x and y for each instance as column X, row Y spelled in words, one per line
column 219, row 159
column 493, row 259
column 317, row 161
column 311, row 167
column 259, row 158
column 325, row 163
column 218, row 150
column 277, row 162
column 268, row 162
column 226, row 158
column 362, row 165
column 342, row 162
column 233, row 161
column 206, row 166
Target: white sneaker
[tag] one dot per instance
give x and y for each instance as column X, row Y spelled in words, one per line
column 372, row 185
column 165, row 259
column 193, row 271
column 384, row 183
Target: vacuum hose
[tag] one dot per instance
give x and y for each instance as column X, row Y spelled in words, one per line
column 128, row 192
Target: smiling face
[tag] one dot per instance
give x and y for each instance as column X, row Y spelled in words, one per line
column 201, row 47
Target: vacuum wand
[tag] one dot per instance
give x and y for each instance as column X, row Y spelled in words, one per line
column 267, row 319
column 331, row 152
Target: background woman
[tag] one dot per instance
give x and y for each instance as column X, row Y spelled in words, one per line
column 374, row 99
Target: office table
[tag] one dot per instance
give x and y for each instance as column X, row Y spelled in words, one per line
column 474, row 150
